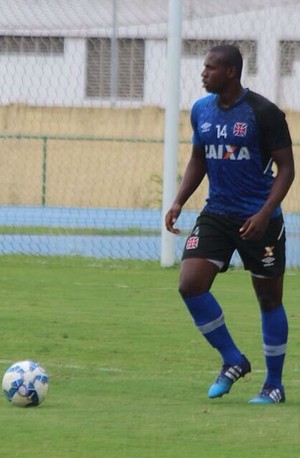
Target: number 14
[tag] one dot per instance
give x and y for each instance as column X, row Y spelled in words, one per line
column 221, row 131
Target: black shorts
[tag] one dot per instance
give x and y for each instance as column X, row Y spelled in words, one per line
column 217, row 237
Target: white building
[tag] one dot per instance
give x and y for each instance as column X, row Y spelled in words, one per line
column 113, row 52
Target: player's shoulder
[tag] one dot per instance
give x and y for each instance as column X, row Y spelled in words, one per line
column 204, row 102
column 202, row 105
column 260, row 103
column 268, row 115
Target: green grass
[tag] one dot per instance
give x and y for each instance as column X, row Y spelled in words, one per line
column 46, row 230
column 128, row 371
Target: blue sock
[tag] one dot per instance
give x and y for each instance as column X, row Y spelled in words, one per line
column 275, row 334
column 209, row 319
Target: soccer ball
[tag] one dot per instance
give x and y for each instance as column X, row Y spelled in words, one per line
column 25, row 384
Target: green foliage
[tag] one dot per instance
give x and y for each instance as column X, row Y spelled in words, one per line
column 155, row 190
column 129, row 373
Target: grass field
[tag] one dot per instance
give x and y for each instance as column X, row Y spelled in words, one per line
column 128, row 371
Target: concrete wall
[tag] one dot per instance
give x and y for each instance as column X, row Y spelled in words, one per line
column 122, row 169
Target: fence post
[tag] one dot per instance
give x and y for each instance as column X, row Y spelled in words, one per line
column 171, row 136
column 44, row 170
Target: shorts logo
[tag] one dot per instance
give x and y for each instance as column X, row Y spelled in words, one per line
column 269, row 251
column 268, row 258
column 192, row 243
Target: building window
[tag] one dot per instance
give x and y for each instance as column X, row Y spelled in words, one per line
column 128, row 68
column 31, row 45
column 289, row 53
column 98, row 67
column 194, row 48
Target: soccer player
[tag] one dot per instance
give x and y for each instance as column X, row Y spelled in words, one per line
column 237, row 136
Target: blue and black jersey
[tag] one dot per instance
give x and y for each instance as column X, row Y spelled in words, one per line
column 238, row 144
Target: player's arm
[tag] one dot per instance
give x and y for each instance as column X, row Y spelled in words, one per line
column 193, row 176
column 255, row 226
column 285, row 176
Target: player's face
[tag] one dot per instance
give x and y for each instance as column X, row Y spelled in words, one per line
column 215, row 75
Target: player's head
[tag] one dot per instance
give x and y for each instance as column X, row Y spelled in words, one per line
column 229, row 56
column 223, row 65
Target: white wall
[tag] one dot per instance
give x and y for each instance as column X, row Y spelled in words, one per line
column 60, row 80
column 44, row 80
column 155, row 73
column 289, row 96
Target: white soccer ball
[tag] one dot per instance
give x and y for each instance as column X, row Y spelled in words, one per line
column 25, row 384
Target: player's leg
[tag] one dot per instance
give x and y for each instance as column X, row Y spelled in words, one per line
column 275, row 336
column 266, row 261
column 202, row 260
column 196, row 278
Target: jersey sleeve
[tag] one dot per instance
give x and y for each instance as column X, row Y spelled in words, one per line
column 273, row 128
column 276, row 133
column 196, row 139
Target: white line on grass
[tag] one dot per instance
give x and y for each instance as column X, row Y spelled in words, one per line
column 117, row 369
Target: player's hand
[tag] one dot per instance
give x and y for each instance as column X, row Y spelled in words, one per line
column 255, row 227
column 171, row 218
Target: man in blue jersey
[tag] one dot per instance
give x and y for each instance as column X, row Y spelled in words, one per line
column 237, row 136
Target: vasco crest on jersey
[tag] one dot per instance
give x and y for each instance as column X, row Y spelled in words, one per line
column 240, row 129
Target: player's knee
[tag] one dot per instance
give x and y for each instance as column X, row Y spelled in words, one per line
column 183, row 290
column 268, row 302
column 189, row 289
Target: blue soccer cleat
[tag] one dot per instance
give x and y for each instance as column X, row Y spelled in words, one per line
column 269, row 395
column 227, row 377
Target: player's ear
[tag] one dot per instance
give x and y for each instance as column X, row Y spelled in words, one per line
column 232, row 71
